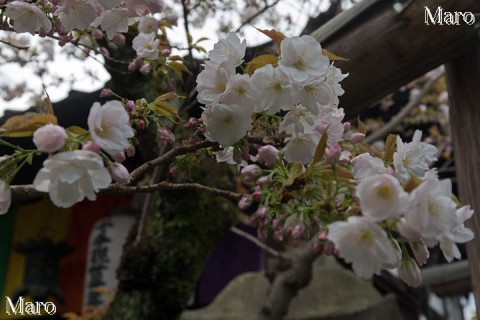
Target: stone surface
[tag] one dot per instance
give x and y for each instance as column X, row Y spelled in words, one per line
column 333, row 294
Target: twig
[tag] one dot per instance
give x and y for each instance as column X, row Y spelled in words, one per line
column 13, row 45
column 140, row 171
column 257, row 242
column 387, row 128
column 28, row 191
column 186, row 12
column 259, row 13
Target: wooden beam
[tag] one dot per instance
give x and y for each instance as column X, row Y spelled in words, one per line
column 463, row 82
column 388, row 50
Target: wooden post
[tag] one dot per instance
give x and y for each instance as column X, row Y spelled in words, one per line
column 388, row 50
column 463, row 82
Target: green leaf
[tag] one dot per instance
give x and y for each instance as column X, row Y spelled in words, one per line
column 296, row 170
column 25, row 125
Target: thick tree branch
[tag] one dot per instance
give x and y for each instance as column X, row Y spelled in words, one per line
column 288, row 282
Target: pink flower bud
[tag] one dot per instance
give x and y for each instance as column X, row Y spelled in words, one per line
column 165, row 137
column 49, row 138
column 145, row 69
column 251, row 172
column 297, row 231
column 276, row 223
column 408, row 231
column 166, row 52
column 357, row 137
column 244, row 202
column 278, row 236
column 322, row 236
column 97, row 34
column 141, row 124
column 261, row 212
column 346, row 127
column 104, row 52
column 421, row 253
column 329, row 249
column 120, row 157
column 263, row 181
column 257, row 194
column 173, row 171
column 192, row 122
column 119, row 173
column 119, row 39
column 130, row 150
column 172, row 18
column 130, row 105
column 105, row 92
column 267, row 155
column 91, row 145
column 333, row 154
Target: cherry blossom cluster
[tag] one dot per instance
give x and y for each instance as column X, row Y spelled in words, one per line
column 80, row 162
column 312, row 176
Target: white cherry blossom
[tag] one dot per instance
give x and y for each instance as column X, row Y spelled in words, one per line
column 113, row 21
column 230, row 50
column 212, row 82
column 301, row 148
column 226, row 124
column 364, row 244
column 238, row 91
column 146, row 45
column 27, row 17
column 381, row 196
column 459, row 234
column 364, row 165
column 148, row 25
column 272, row 90
column 412, row 159
column 109, row 126
column 297, row 121
column 302, row 58
column 70, row 176
column 76, row 14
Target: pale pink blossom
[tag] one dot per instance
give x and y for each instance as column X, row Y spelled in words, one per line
column 165, row 137
column 226, row 124
column 267, row 155
column 381, row 196
column 251, row 172
column 364, row 244
column 49, row 138
column 365, row 165
column 27, row 17
column 146, row 46
column 70, row 176
column 76, row 14
column 302, row 58
column 109, row 126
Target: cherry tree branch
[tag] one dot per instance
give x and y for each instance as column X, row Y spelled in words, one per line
column 257, row 14
column 287, row 282
column 13, row 45
column 28, row 191
column 257, row 242
column 136, row 174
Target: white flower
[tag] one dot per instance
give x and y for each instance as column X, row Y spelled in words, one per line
column 298, row 121
column 314, row 94
column 148, row 25
column 413, row 158
column 226, row 124
column 459, row 234
column 238, row 91
column 112, row 21
column 301, row 148
column 272, row 90
column 109, row 126
column 212, row 82
column 364, row 165
column 302, row 58
column 364, row 244
column 381, row 196
column 76, row 14
column 420, row 252
column 432, row 212
column 331, row 120
column 109, row 4
column 410, row 273
column 49, row 138
column 5, row 197
column 333, row 78
column 146, row 45
column 69, row 177
column 27, row 17
column 229, row 50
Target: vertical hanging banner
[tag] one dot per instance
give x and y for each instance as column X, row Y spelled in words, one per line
column 105, row 249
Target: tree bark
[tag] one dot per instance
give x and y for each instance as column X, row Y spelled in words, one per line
column 386, row 50
column 463, row 82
